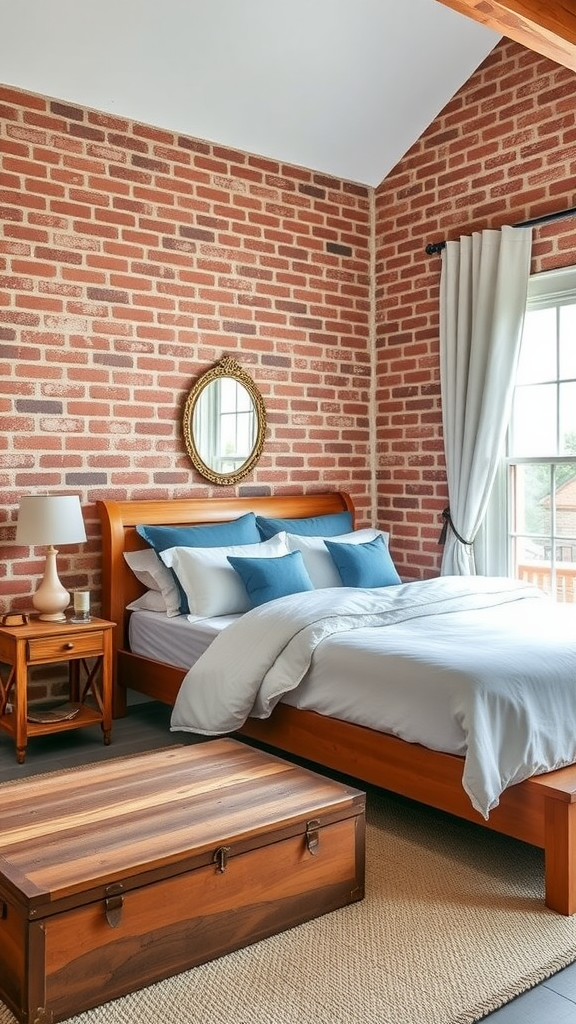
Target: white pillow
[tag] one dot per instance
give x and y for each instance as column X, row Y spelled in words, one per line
column 317, row 558
column 210, row 583
column 151, row 572
column 151, row 601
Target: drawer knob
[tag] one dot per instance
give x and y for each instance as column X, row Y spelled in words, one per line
column 69, row 646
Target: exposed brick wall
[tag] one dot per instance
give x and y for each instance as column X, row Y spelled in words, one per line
column 502, row 151
column 131, row 260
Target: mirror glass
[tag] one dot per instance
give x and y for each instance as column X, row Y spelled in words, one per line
column 224, row 423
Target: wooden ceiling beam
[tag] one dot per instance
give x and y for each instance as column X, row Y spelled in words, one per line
column 545, row 26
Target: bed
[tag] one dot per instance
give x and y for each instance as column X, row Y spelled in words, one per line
column 540, row 810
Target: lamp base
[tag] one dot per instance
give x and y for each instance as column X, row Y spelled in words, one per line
column 51, row 598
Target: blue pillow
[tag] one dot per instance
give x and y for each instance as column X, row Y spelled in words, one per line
column 216, row 535
column 315, row 526
column 268, row 578
column 364, row 565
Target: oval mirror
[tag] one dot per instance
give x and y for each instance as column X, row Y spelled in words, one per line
column 224, row 423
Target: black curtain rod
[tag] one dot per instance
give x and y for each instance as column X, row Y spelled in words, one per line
column 435, row 247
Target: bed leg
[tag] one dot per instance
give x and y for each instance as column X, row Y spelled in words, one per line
column 119, row 702
column 560, row 855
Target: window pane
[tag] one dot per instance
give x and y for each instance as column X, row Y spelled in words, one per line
column 566, row 505
column 567, row 402
column 566, row 551
column 568, row 342
column 529, row 553
column 228, row 391
column 243, row 399
column 228, row 435
column 531, row 563
column 537, row 356
column 531, row 504
column 543, row 541
column 533, row 427
column 245, row 431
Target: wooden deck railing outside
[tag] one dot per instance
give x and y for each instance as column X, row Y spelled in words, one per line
column 539, row 574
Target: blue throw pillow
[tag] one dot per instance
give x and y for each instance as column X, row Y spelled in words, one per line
column 364, row 565
column 315, row 526
column 268, row 578
column 216, row 535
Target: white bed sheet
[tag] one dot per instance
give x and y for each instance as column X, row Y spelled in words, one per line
column 181, row 641
column 176, row 641
column 484, row 668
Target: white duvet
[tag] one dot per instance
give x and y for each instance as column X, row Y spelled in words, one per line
column 477, row 666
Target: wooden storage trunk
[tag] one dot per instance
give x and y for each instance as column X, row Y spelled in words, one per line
column 119, row 874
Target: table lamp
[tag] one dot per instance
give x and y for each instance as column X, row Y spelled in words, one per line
column 50, row 519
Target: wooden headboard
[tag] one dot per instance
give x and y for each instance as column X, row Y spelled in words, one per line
column 120, row 518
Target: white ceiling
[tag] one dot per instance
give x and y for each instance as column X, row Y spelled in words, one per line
column 340, row 86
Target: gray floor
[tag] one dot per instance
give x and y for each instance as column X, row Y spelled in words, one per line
column 147, row 727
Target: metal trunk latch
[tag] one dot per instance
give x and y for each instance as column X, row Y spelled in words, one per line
column 42, row 1016
column 220, row 859
column 113, row 903
column 312, row 836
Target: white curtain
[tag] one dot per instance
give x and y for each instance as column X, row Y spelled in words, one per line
column 483, row 288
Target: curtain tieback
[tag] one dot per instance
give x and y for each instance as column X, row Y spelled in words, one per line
column 448, row 523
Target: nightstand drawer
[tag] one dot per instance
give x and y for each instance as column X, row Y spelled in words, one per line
column 66, row 646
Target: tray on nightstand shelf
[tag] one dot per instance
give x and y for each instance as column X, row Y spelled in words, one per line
column 55, row 713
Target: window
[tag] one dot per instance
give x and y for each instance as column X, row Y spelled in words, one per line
column 540, row 464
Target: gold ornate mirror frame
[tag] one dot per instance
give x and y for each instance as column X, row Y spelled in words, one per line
column 205, row 429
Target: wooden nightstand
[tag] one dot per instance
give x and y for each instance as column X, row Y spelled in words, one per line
column 86, row 647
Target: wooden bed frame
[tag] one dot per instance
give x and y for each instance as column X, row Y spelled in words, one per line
column 540, row 811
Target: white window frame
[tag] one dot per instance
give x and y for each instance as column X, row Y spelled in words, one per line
column 492, row 546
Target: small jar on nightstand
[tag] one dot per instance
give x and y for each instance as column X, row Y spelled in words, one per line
column 81, row 604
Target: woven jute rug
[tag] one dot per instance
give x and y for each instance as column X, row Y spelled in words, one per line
column 453, row 926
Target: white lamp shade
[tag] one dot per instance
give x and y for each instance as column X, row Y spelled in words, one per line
column 50, row 519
